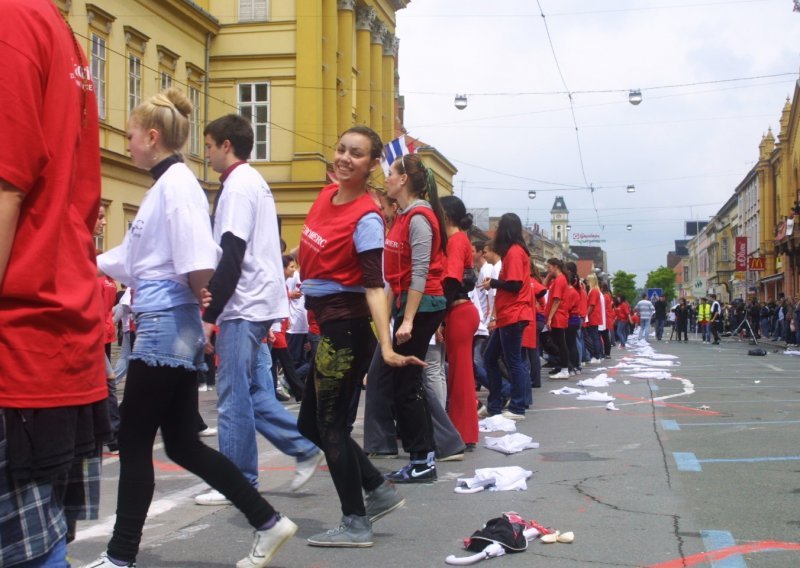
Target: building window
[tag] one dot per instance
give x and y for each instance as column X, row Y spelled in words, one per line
column 252, row 10
column 725, row 257
column 98, row 65
column 194, row 122
column 686, row 274
column 254, row 106
column 134, row 81
column 166, row 80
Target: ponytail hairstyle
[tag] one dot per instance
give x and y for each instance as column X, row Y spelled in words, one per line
column 456, row 213
column 556, row 262
column 423, row 186
column 167, row 112
column 573, row 278
column 509, row 232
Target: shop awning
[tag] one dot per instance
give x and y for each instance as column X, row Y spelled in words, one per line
column 773, row 278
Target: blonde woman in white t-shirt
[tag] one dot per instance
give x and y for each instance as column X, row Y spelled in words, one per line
column 168, row 257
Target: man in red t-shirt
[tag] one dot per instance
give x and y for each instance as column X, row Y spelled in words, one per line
column 51, row 334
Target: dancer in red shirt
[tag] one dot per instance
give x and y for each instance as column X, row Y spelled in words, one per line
column 461, row 321
column 558, row 315
column 513, row 313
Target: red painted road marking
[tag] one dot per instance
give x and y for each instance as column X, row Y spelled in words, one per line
column 723, row 553
column 670, row 405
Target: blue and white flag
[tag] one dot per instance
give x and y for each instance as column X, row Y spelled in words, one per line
column 397, row 148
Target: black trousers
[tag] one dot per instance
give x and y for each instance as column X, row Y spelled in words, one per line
column 572, row 347
column 559, row 336
column 605, row 336
column 166, row 397
column 414, row 423
column 342, row 359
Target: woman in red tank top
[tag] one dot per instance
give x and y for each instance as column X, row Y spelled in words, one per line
column 414, row 266
column 341, row 250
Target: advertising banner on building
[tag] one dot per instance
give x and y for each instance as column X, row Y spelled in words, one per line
column 741, row 253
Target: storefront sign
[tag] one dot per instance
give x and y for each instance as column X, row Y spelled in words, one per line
column 756, row 264
column 741, row 253
column 586, row 238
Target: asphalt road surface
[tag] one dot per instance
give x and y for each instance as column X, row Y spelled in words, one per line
column 697, row 467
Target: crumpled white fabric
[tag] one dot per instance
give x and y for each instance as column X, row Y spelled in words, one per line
column 611, row 406
column 658, row 375
column 597, row 396
column 792, row 352
column 511, row 443
column 497, row 423
column 654, row 363
column 568, row 390
column 601, row 380
column 511, row 478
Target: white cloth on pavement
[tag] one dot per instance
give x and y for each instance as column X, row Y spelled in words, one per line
column 611, row 406
column 596, row 396
column 497, row 423
column 510, row 478
column 568, row 390
column 601, row 380
column 659, row 375
column 511, row 443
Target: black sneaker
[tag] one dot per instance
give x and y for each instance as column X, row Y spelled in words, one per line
column 413, row 473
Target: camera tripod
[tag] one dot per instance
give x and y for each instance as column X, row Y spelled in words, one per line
column 745, row 321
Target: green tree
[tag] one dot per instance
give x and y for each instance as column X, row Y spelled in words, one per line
column 624, row 283
column 664, row 278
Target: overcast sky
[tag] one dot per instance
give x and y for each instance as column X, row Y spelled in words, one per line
column 685, row 149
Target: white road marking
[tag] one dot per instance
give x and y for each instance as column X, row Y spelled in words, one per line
column 774, row 368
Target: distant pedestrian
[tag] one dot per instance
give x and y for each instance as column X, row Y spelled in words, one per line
column 645, row 309
column 622, row 314
column 660, row 316
column 682, row 320
column 715, row 323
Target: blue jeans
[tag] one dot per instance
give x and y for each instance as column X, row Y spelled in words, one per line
column 478, row 347
column 705, row 331
column 583, row 353
column 247, row 400
column 659, row 329
column 593, row 342
column 507, row 342
column 621, row 328
column 644, row 328
column 56, row 558
column 121, row 367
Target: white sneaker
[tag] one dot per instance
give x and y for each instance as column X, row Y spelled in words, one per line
column 512, row 416
column 203, row 388
column 213, row 497
column 104, row 562
column 561, row 375
column 208, row 432
column 305, row 469
column 595, row 361
column 267, row 543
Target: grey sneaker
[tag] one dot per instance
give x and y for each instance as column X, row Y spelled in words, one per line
column 354, row 532
column 267, row 543
column 382, row 501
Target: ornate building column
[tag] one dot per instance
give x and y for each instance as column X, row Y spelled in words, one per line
column 390, row 46
column 330, row 44
column 308, row 162
column 344, row 67
column 376, row 76
column 364, row 18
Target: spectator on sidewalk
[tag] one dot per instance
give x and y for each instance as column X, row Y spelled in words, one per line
column 716, row 318
column 660, row 316
column 645, row 309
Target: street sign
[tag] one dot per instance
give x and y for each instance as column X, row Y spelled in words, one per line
column 757, row 263
column 654, row 293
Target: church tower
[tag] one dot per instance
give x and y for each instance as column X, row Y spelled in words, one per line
column 559, row 221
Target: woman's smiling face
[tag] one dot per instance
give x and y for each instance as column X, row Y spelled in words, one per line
column 352, row 161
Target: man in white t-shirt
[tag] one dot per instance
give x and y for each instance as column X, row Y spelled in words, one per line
column 248, row 293
column 297, row 332
column 480, row 298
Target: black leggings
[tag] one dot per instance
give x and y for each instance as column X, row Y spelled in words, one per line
column 414, row 424
column 606, row 340
column 166, row 397
column 559, row 336
column 342, row 359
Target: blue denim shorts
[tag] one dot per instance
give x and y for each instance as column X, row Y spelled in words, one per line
column 171, row 338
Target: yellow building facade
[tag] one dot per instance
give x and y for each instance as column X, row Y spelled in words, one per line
column 302, row 71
